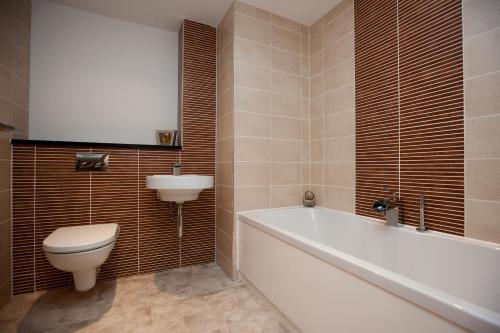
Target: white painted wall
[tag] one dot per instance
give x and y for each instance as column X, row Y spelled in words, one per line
column 99, row 79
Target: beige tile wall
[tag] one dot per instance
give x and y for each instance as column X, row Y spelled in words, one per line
column 225, row 144
column 263, row 117
column 482, row 118
column 15, row 22
column 332, row 108
column 271, row 118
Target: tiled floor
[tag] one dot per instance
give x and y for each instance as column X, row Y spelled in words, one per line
column 194, row 299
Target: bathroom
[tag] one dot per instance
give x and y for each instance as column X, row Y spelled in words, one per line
column 249, row 166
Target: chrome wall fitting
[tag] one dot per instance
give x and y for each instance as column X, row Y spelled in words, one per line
column 389, row 207
column 421, row 227
column 92, row 161
column 309, row 200
column 177, row 169
column 177, row 217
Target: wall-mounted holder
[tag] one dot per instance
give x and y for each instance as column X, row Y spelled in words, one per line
column 92, row 161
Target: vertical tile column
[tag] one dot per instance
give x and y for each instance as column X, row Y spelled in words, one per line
column 332, row 108
column 377, row 102
column 316, row 114
column 252, row 120
column 287, row 117
column 431, row 113
column 482, row 118
column 339, row 115
column 198, row 138
column 15, row 26
column 225, row 118
column 271, row 109
column 305, row 69
column 263, row 117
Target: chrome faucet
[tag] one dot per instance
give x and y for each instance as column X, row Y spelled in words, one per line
column 389, row 207
column 421, row 226
column 176, row 169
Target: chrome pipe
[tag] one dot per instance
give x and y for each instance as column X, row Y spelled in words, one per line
column 179, row 220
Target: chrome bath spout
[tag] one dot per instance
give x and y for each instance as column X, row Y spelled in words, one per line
column 389, row 207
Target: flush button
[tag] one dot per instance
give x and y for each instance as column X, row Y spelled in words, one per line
column 92, row 161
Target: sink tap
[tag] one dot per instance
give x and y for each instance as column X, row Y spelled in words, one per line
column 176, row 169
column 421, row 226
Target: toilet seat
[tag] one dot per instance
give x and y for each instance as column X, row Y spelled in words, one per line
column 80, row 238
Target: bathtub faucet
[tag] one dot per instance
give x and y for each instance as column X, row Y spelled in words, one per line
column 389, row 207
column 421, row 226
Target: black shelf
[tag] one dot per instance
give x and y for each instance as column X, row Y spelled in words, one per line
column 91, row 144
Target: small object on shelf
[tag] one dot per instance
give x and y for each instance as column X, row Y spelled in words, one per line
column 166, row 137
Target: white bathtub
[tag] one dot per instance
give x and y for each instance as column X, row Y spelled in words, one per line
column 330, row 271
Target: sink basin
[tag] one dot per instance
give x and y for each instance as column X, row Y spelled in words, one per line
column 179, row 188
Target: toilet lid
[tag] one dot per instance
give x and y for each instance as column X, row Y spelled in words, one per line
column 80, row 238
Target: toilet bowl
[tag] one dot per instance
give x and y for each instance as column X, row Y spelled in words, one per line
column 81, row 250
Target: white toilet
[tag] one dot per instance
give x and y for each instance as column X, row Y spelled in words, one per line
column 81, row 250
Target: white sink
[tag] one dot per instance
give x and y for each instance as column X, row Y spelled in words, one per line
column 179, row 188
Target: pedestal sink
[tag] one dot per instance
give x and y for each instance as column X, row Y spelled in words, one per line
column 179, row 188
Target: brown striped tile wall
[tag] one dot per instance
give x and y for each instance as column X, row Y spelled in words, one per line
column 198, row 138
column 114, row 199
column 409, row 108
column 159, row 247
column 23, row 218
column 376, row 59
column 48, row 193
column 432, row 112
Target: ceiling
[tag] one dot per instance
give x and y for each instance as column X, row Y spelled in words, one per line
column 303, row 11
column 168, row 14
